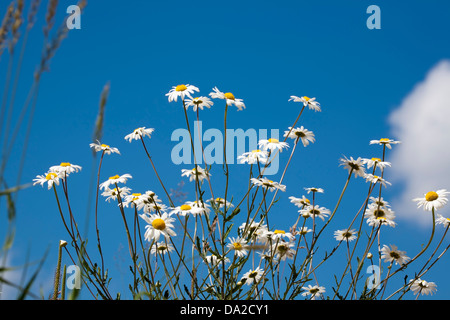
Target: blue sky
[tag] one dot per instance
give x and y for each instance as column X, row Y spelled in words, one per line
column 263, row 52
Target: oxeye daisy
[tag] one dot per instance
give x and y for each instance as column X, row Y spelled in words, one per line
column 253, row 157
column 182, row 91
column 238, row 245
column 253, row 276
column 376, row 179
column 354, row 166
column 281, row 234
column 139, row 133
column 158, row 225
column 433, row 199
column 392, row 254
column 379, row 215
column 161, row 247
column 252, row 229
column 314, row 190
column 316, row 211
column 283, row 250
column 300, row 202
column 306, row 101
column 115, row 179
column 229, row 97
column 268, row 184
column 65, row 168
column 187, row 208
column 272, row 144
column 301, row 133
column 423, row 287
column 134, row 199
column 112, row 194
column 100, row 147
column 313, row 291
column 220, row 202
column 50, row 178
column 200, row 103
column 215, row 260
column 195, row 173
column 376, row 162
column 345, row 235
column 442, row 220
column 385, row 142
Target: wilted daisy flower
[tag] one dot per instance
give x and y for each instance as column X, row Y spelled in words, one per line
column 138, row 133
column 300, row 133
column 376, row 162
column 313, row 291
column 376, row 179
column 115, row 179
column 423, row 287
column 354, row 166
column 200, row 103
column 310, row 102
column 442, row 220
column 253, row 276
column 50, row 178
column 182, row 91
column 272, row 144
column 345, row 235
column 187, row 208
column 65, row 168
column 433, row 199
column 269, row 184
column 253, row 157
column 283, row 250
column 300, row 202
column 393, row 254
column 384, row 141
column 239, row 245
column 103, row 148
column 316, row 211
column 195, row 173
column 314, row 190
column 112, row 194
column 229, row 97
column 161, row 247
column 158, row 225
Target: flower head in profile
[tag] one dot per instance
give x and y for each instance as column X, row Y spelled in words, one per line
column 272, row 144
column 115, row 179
column 267, row 183
column 50, row 178
column 112, row 194
column 195, row 174
column 229, row 97
column 139, row 133
column 253, row 157
column 220, row 202
column 384, row 142
column 419, row 286
column 354, row 166
column 443, row 220
column 300, row 202
column 313, row 291
column 376, row 179
column 306, row 101
column 188, row 208
column 158, row 225
column 100, row 147
column 198, row 103
column 314, row 190
column 161, row 247
column 345, row 235
column 238, row 245
column 182, row 91
column 253, row 276
column 301, row 133
column 376, row 163
column 392, row 254
column 433, row 199
column 65, row 168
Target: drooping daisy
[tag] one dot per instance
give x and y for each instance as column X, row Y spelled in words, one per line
column 272, row 144
column 385, row 142
column 433, row 199
column 115, row 179
column 300, row 202
column 186, row 209
column 253, row 157
column 229, row 97
column 161, row 247
column 195, row 173
column 268, row 184
column 112, row 194
column 423, row 287
column 100, row 147
column 253, row 276
column 239, row 246
column 392, row 254
column 345, row 235
column 200, row 103
column 376, row 179
column 182, row 91
column 65, row 168
column 376, row 162
column 310, row 102
column 139, row 133
column 301, row 133
column 354, row 166
column 313, row 291
column 158, row 225
column 50, row 178
column 316, row 211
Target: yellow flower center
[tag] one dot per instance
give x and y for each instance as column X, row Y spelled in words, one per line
column 114, row 177
column 279, row 232
column 272, row 140
column 220, row 200
column 104, row 146
column 376, row 159
column 384, row 140
column 136, row 196
column 159, row 224
column 65, row 164
column 180, row 87
column 254, row 151
column 185, row 207
column 431, row 196
column 306, row 98
column 50, row 176
column 229, row 95
column 237, row 246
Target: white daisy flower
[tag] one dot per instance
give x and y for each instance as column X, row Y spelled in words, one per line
column 115, row 179
column 253, row 276
column 139, row 133
column 65, row 168
column 384, row 141
column 161, row 247
column 253, row 229
column 354, row 166
column 239, row 246
column 181, row 91
column 301, row 133
column 283, row 250
column 442, row 220
column 229, row 97
column 253, row 157
column 302, row 231
column 187, row 208
column 195, row 173
column 376, row 179
column 100, row 147
column 300, row 202
column 313, row 291
column 314, row 190
column 345, row 235
column 281, row 234
column 269, row 184
column 376, row 162
column 158, row 225
column 433, row 199
column 379, row 215
column 135, row 199
column 220, row 203
column 310, row 102
column 112, row 194
column 215, row 260
column 423, row 287
column 200, row 103
column 316, row 211
column 50, row 178
column 393, row 254
column 272, row 144
column 379, row 202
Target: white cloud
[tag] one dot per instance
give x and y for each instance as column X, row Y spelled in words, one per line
column 422, row 161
